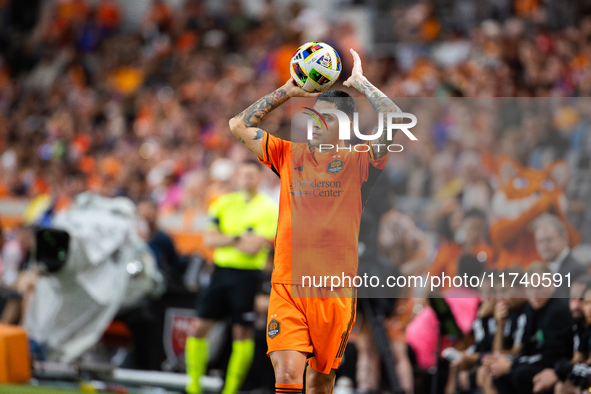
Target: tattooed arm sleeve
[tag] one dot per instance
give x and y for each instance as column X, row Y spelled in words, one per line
column 245, row 126
column 383, row 105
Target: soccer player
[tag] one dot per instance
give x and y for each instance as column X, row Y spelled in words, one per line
column 323, row 192
column 243, row 226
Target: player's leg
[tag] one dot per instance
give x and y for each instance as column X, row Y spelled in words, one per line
column 318, row 382
column 289, row 366
column 288, row 339
column 243, row 287
column 330, row 322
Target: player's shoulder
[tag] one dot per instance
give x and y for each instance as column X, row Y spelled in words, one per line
column 299, row 146
column 276, row 140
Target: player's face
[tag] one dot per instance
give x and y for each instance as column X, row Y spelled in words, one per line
column 320, row 135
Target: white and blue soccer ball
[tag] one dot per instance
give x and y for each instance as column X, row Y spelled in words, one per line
column 315, row 67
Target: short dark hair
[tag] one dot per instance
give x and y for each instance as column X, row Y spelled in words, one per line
column 253, row 162
column 475, row 212
column 341, row 100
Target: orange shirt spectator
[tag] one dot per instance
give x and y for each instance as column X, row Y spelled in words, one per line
column 108, row 14
column 282, row 57
column 469, row 240
column 159, row 14
column 448, row 255
column 525, row 8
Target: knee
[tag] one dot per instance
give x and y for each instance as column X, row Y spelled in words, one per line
column 286, row 375
column 289, row 366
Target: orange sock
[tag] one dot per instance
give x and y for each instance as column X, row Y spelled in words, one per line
column 284, row 388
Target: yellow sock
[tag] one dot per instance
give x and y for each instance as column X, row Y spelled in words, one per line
column 238, row 366
column 196, row 362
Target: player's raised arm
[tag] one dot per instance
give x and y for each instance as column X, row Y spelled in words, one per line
column 245, row 126
column 378, row 100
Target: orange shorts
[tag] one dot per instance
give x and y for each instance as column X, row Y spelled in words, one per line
column 319, row 325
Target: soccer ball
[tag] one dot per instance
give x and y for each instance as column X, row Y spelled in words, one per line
column 315, row 66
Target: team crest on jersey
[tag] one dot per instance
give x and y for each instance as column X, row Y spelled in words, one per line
column 274, row 328
column 335, row 166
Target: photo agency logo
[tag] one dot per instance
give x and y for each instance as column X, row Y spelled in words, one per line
column 345, row 129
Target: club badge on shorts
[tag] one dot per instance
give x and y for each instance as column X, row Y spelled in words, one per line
column 335, row 166
column 273, row 328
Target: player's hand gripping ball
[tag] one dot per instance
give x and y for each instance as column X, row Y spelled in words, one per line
column 315, row 67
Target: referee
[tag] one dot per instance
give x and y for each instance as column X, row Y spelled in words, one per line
column 243, row 225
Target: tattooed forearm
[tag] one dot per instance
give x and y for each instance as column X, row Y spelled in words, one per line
column 254, row 115
column 245, row 144
column 378, row 100
column 382, row 104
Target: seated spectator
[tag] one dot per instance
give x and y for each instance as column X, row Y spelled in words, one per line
column 510, row 315
column 557, row 377
column 469, row 238
column 547, row 339
column 551, row 239
column 423, row 331
column 484, row 330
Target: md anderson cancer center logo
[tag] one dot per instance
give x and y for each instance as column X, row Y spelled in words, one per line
column 316, row 188
column 345, row 129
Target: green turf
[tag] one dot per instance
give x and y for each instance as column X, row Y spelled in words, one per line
column 25, row 389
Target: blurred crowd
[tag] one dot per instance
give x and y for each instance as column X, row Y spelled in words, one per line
column 88, row 104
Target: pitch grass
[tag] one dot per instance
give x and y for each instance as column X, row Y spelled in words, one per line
column 25, row 389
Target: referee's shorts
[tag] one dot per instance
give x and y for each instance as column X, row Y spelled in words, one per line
column 231, row 293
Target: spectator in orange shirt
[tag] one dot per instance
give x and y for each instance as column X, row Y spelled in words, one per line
column 468, row 239
column 159, row 15
column 108, row 15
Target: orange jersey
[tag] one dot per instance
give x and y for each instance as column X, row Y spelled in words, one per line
column 322, row 197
